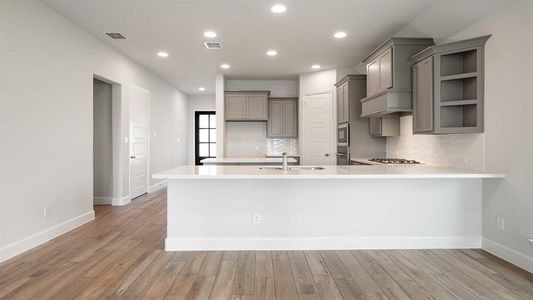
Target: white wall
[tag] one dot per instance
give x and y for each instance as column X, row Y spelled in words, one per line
column 249, row 139
column 197, row 103
column 103, row 140
column 507, row 144
column 46, row 74
column 508, row 126
column 221, row 124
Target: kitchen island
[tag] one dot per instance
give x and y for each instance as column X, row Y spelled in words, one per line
column 332, row 207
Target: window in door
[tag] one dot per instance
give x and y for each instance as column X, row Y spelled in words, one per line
column 205, row 135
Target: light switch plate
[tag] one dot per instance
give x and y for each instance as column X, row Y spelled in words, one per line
column 500, row 223
column 257, row 218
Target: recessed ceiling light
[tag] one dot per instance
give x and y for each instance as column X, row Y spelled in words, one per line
column 278, row 8
column 224, row 66
column 210, row 34
column 340, row 34
column 272, row 52
column 162, row 54
column 315, row 67
column 201, row 89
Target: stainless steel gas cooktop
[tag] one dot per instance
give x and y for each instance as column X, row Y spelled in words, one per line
column 395, row 161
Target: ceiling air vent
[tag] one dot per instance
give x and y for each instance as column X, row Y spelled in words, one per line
column 116, row 35
column 212, row 45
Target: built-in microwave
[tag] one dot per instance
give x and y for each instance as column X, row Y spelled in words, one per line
column 343, row 134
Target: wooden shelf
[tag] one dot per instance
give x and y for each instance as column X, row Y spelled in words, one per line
column 458, row 76
column 458, row 102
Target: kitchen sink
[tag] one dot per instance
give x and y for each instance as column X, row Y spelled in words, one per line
column 293, row 168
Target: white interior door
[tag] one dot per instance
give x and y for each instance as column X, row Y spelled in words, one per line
column 139, row 141
column 317, row 129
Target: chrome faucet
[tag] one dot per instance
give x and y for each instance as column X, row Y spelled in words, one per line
column 285, row 161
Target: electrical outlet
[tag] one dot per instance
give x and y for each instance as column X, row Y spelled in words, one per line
column 179, row 140
column 257, row 218
column 500, row 223
column 46, row 212
column 256, row 147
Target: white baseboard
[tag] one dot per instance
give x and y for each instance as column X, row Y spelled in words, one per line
column 157, row 186
column 121, row 201
column 516, row 258
column 44, row 236
column 102, row 200
column 319, row 243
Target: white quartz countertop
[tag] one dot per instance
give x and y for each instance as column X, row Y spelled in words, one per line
column 329, row 172
column 246, row 160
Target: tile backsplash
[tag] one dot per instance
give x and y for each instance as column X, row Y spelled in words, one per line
column 277, row 146
column 454, row 150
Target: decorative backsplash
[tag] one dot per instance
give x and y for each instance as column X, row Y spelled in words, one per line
column 454, row 150
column 277, row 146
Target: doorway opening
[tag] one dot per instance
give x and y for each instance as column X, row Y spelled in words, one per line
column 205, row 135
column 102, row 142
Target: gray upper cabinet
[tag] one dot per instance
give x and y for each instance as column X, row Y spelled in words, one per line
column 235, row 107
column 389, row 76
column 246, row 105
column 384, row 126
column 385, row 70
column 448, row 88
column 423, row 96
column 343, row 103
column 282, row 118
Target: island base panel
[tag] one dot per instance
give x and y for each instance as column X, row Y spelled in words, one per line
column 216, row 214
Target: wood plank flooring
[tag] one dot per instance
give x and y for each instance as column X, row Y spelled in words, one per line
column 120, row 255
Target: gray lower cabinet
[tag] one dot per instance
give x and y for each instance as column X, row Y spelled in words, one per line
column 282, row 118
column 246, row 105
column 448, row 88
column 384, row 126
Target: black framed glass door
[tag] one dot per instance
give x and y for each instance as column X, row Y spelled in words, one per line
column 205, row 135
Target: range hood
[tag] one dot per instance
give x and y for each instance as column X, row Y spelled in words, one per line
column 386, row 102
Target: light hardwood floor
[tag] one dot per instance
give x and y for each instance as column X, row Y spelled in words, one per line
column 120, row 255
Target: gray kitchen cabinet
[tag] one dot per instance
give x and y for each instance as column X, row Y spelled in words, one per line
column 448, row 85
column 246, row 105
column 282, row 118
column 343, row 103
column 235, row 107
column 340, row 105
column 385, row 70
column 361, row 144
column 290, row 118
column 423, row 96
column 389, row 76
column 384, row 126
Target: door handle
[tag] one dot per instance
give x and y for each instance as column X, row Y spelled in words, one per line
column 132, row 157
column 326, row 155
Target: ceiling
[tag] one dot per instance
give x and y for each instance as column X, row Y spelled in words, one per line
column 303, row 35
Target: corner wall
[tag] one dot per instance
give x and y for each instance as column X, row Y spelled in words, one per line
column 507, row 144
column 47, row 65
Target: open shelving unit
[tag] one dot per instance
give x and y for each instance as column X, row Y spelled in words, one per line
column 451, row 100
column 458, row 102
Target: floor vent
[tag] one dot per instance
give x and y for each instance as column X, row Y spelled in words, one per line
column 116, row 35
column 212, row 45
